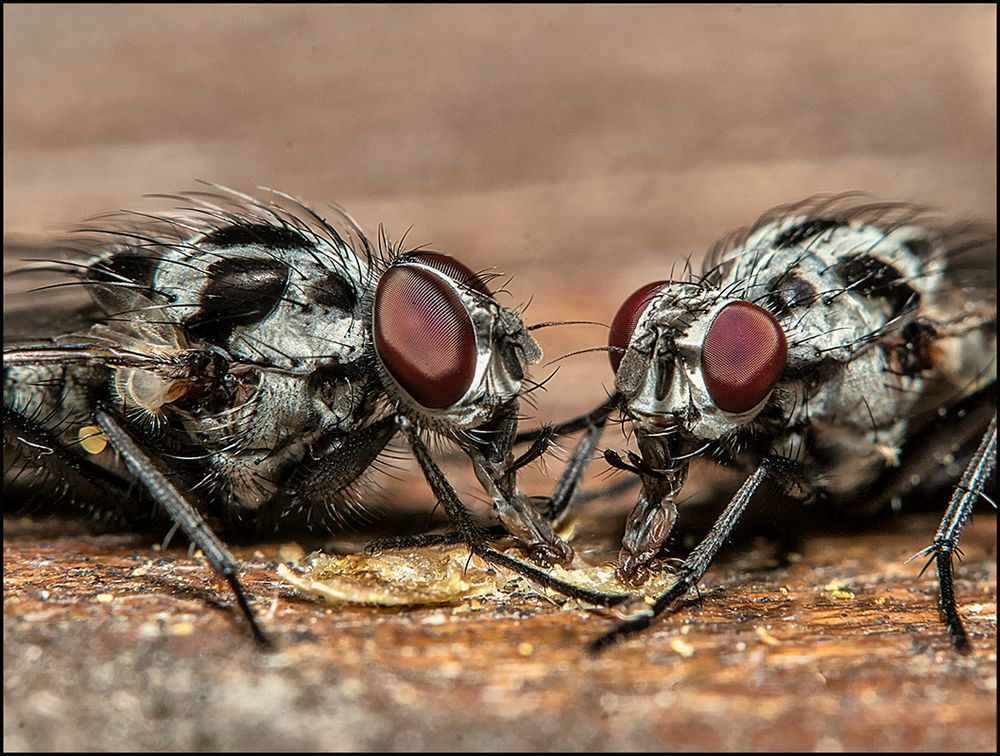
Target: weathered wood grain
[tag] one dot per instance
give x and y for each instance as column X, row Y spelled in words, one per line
column 109, row 644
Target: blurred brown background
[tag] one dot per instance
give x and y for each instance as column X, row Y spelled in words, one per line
column 583, row 149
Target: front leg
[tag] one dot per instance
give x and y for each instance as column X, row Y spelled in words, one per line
column 583, row 454
column 493, row 461
column 458, row 514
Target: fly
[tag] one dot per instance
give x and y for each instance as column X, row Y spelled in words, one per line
column 242, row 365
column 844, row 352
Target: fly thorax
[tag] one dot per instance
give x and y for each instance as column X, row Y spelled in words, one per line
column 291, row 306
column 272, row 425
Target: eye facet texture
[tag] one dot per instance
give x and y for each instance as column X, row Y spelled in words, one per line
column 452, row 268
column 626, row 318
column 423, row 333
column 743, row 356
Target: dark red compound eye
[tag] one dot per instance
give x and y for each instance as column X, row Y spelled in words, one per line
column 626, row 318
column 453, row 269
column 743, row 356
column 423, row 333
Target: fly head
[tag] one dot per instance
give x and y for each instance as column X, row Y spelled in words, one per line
column 692, row 360
column 446, row 352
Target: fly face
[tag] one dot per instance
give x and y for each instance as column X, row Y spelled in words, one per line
column 825, row 349
column 698, row 363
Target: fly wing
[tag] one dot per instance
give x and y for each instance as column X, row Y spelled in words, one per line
column 40, row 303
column 56, row 297
column 959, row 353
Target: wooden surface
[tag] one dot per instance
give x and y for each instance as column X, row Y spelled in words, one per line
column 110, row 645
column 584, row 150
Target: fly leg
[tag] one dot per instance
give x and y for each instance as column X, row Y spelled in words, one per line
column 924, row 465
column 324, row 485
column 464, row 522
column 491, row 453
column 321, row 488
column 180, row 510
column 580, row 460
column 536, row 450
column 558, row 503
column 335, row 472
column 562, row 495
column 428, row 539
column 597, row 416
column 697, row 562
column 475, row 536
column 945, row 544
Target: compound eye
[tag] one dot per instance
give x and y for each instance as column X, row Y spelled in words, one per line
column 743, row 356
column 424, row 335
column 452, row 268
column 626, row 318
